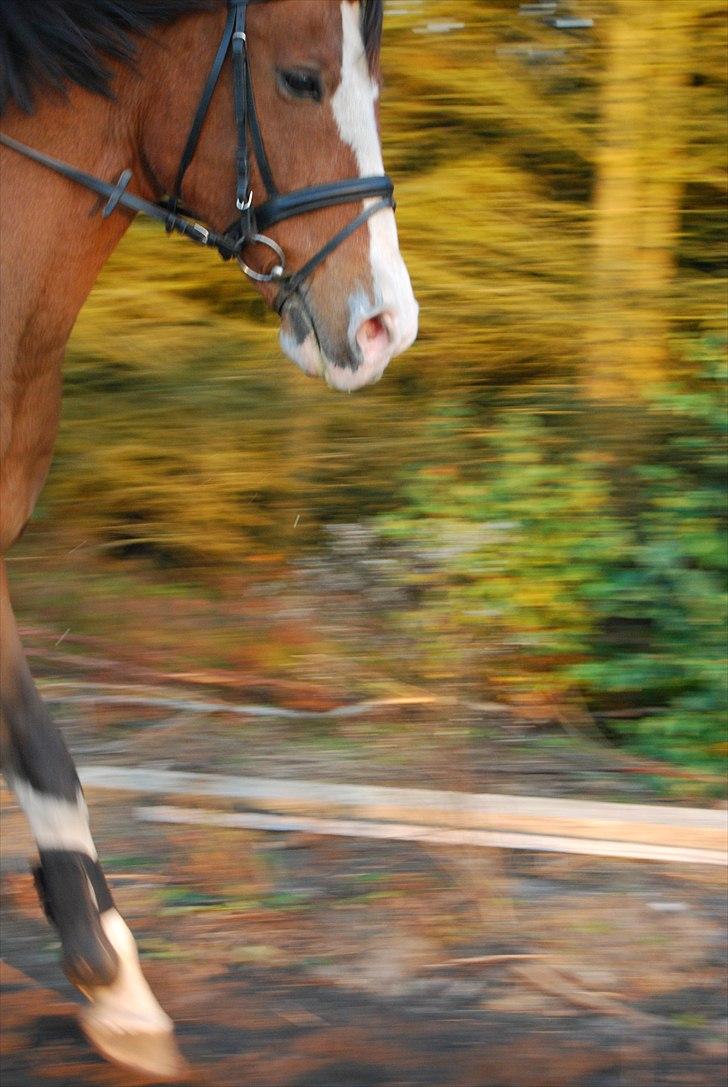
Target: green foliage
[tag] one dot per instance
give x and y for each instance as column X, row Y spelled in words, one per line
column 584, row 576
column 672, row 588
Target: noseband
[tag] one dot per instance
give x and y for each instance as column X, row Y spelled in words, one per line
column 247, row 229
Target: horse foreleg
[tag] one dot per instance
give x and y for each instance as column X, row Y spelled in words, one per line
column 123, row 1019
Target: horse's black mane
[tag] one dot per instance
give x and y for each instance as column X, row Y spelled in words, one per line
column 46, row 44
column 50, row 43
column 371, row 27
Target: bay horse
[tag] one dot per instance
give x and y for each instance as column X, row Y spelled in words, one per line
column 262, row 114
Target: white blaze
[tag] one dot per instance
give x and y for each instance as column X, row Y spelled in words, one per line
column 353, row 106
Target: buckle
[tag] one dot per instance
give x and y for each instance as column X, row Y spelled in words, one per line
column 245, row 205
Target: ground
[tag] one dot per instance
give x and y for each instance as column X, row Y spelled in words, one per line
column 290, row 960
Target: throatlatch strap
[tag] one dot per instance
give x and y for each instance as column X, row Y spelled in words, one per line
column 186, row 227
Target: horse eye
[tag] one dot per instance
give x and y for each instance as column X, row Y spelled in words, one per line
column 302, row 84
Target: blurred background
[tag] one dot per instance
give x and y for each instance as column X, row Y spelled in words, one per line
column 528, row 508
column 507, row 558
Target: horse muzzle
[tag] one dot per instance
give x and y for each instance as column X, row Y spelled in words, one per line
column 358, row 356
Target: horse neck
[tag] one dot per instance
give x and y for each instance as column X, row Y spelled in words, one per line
column 54, row 239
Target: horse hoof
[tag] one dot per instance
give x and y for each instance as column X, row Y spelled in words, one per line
column 150, row 1053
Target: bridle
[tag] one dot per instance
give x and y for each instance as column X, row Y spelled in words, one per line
column 247, row 229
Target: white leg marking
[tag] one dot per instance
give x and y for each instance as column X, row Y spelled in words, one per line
column 353, row 108
column 128, row 1004
column 124, row 1021
column 55, row 823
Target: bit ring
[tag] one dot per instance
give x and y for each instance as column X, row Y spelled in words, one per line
column 277, row 271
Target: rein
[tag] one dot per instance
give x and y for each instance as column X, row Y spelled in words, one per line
column 252, row 220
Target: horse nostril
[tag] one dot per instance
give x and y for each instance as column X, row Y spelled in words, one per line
column 374, row 339
column 372, row 328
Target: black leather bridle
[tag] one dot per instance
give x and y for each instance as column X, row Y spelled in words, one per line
column 248, row 227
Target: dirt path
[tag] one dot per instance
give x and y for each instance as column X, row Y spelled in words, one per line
column 294, row 960
column 312, row 962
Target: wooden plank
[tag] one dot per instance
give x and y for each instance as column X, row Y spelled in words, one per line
column 128, row 694
column 361, row 828
column 690, row 828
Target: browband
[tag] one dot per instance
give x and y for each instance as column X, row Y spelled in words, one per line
column 277, row 208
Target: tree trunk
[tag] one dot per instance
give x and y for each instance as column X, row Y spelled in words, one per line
column 638, row 198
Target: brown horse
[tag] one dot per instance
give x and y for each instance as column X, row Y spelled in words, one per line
column 263, row 112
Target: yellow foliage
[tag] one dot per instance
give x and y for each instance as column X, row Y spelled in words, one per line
column 185, row 430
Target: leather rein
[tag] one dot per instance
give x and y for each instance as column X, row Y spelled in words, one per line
column 247, row 229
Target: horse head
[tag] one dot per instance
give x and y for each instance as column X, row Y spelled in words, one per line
column 313, row 91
